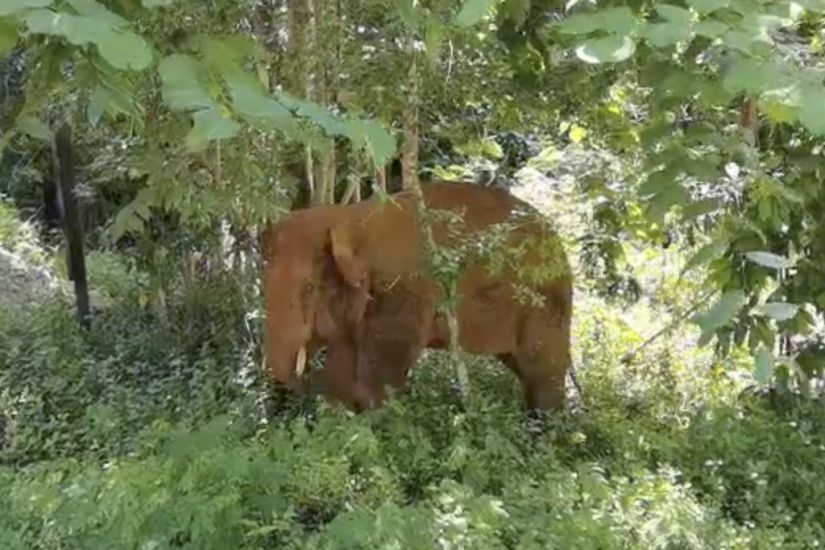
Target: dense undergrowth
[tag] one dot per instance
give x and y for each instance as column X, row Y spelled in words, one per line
column 156, row 431
column 147, row 434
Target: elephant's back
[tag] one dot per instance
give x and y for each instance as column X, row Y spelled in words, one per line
column 481, row 205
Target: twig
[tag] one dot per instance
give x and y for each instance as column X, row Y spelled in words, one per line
column 626, row 358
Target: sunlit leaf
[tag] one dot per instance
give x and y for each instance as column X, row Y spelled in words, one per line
column 181, row 85
column 764, row 365
column 608, row 49
column 8, row 7
column 157, row 3
column 769, row 259
column 473, row 11
column 778, row 311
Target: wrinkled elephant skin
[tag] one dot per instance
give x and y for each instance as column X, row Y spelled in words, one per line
column 354, row 278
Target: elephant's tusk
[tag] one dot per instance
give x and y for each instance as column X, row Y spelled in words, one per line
column 301, row 361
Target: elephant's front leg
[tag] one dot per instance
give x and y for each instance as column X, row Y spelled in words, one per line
column 393, row 335
column 338, row 379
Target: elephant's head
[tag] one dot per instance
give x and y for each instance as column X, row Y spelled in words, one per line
column 315, row 287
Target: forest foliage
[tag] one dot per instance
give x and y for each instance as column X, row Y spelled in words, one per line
column 678, row 144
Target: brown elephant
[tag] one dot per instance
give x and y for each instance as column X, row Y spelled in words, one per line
column 355, row 278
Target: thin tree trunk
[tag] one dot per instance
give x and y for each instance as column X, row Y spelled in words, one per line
column 409, row 181
column 63, row 163
column 300, row 47
column 326, row 41
column 409, row 151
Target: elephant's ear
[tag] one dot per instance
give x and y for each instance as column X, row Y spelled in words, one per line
column 352, row 269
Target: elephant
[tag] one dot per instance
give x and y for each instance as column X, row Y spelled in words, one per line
column 358, row 279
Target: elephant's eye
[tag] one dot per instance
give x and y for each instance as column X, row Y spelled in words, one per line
column 309, row 287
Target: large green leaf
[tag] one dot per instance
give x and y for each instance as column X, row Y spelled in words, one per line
column 764, row 365
column 121, row 48
column 105, row 99
column 379, row 142
column 125, row 50
column 617, row 20
column 93, row 10
column 706, row 254
column 676, row 28
column 812, row 108
column 255, row 106
column 722, row 312
column 778, row 311
column 607, row 49
column 711, row 28
column 473, row 11
column 9, row 7
column 8, row 35
column 769, row 259
column 181, row 86
column 34, row 127
column 210, row 125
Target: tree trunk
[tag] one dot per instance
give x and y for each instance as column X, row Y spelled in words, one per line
column 409, row 150
column 327, row 37
column 300, row 58
column 63, row 174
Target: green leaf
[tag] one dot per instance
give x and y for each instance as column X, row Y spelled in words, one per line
column 618, row 20
column 210, row 125
column 764, row 365
column 473, row 11
column 768, row 259
column 676, row 28
column 109, row 100
column 711, row 28
column 706, row 254
column 9, row 7
column 708, row 6
column 608, row 49
column 181, row 86
column 121, row 48
column 156, row 3
column 812, row 108
column 252, row 102
column 379, row 142
column 722, row 312
column 124, row 50
column 665, row 198
column 752, row 76
column 93, row 10
column 8, row 35
column 35, row 128
column 778, row 311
